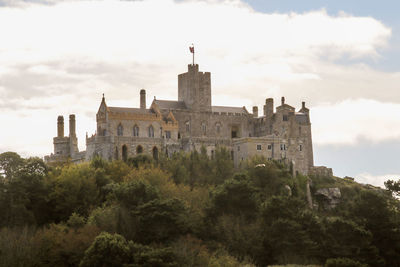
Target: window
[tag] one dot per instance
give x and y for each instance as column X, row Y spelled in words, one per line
column 269, row 147
column 301, row 148
column 238, row 148
column 151, row 131
column 187, row 125
column 120, row 130
column 285, row 118
column 204, row 128
column 258, row 147
column 218, row 127
column 135, row 130
column 283, row 146
column 168, row 134
column 104, row 132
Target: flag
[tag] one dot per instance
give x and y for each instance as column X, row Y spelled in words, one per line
column 191, row 49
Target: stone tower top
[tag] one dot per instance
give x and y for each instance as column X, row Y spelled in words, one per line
column 194, row 88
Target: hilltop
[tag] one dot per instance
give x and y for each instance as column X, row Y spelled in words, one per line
column 190, row 210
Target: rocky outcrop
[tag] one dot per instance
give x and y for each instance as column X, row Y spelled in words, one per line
column 329, row 198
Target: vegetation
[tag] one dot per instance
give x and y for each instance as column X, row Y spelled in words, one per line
column 188, row 210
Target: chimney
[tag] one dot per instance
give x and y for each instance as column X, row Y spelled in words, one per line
column 60, row 126
column 303, row 105
column 255, row 112
column 283, row 100
column 142, row 99
column 72, row 132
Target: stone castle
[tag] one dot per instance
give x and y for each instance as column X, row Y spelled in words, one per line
column 190, row 123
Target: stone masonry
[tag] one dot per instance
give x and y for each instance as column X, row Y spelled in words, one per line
column 190, row 123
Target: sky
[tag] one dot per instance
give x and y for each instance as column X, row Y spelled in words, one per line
column 341, row 57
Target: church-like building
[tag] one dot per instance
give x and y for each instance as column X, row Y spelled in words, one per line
column 190, row 123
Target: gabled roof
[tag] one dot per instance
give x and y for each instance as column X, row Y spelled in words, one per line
column 169, row 104
column 241, row 110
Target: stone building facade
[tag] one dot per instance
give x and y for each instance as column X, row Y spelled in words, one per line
column 192, row 122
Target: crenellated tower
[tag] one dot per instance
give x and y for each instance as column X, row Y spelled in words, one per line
column 194, row 88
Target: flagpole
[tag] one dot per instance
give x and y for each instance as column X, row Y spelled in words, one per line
column 193, row 53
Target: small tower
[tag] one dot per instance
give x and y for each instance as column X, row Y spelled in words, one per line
column 60, row 126
column 255, row 112
column 269, row 107
column 194, row 88
column 142, row 99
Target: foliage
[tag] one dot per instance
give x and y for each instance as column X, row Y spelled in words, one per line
column 188, row 210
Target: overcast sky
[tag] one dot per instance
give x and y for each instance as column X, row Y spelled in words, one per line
column 341, row 57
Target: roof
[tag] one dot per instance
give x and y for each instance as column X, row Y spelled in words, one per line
column 169, row 104
column 129, row 110
column 228, row 109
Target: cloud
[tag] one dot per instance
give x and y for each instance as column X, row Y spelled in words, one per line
column 350, row 121
column 376, row 180
column 58, row 57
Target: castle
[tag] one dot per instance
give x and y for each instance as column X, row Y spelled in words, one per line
column 190, row 123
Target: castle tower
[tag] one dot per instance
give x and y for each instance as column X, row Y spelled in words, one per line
column 255, row 112
column 194, row 88
column 269, row 107
column 142, row 99
column 60, row 126
column 73, row 141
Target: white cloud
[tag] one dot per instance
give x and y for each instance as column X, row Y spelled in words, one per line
column 59, row 58
column 351, row 120
column 376, row 180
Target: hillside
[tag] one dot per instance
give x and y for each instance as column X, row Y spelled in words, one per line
column 190, row 210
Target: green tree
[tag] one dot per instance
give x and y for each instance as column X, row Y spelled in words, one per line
column 235, row 197
column 10, row 163
column 107, row 250
column 160, row 220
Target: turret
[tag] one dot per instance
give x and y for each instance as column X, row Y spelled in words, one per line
column 60, row 126
column 194, row 88
column 72, row 127
column 142, row 99
column 255, row 112
column 269, row 107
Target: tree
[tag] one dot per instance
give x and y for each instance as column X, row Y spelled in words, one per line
column 374, row 212
column 10, row 163
column 160, row 220
column 235, row 197
column 107, row 250
column 133, row 193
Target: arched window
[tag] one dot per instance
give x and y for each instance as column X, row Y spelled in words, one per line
column 187, row 124
column 135, row 130
column 124, row 153
column 139, row 149
column 218, row 127
column 203, row 128
column 104, row 132
column 120, row 130
column 151, row 131
column 155, row 153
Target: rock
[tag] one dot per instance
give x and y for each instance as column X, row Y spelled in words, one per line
column 329, row 197
column 289, row 190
